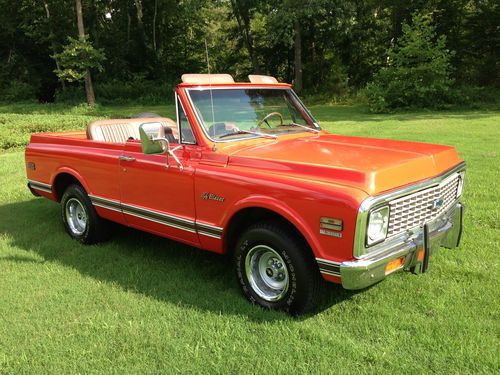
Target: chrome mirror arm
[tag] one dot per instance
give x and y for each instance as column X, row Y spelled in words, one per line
column 170, row 152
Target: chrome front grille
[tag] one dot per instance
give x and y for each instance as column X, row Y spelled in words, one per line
column 422, row 207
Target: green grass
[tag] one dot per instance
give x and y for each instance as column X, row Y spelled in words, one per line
column 142, row 304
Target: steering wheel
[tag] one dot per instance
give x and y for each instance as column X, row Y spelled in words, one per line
column 270, row 115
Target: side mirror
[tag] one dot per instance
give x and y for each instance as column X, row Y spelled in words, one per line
column 151, row 138
column 153, row 141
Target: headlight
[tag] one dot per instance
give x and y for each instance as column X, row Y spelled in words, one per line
column 378, row 222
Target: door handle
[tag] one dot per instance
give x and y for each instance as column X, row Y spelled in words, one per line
column 126, row 158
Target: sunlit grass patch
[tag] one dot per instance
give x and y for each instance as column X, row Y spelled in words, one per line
column 142, row 304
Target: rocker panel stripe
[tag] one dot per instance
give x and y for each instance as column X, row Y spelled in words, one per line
column 159, row 217
column 328, row 267
column 40, row 186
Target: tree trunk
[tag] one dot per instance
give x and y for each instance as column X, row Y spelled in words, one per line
column 154, row 25
column 89, row 88
column 298, row 56
column 140, row 24
column 128, row 29
column 243, row 18
column 52, row 42
column 79, row 18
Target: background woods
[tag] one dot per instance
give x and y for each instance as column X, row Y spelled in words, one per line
column 139, row 49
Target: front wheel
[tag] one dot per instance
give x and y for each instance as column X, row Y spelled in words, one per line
column 80, row 218
column 276, row 269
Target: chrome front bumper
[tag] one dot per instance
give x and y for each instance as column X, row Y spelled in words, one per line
column 445, row 231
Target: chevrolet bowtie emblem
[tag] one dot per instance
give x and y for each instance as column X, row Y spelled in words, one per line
column 436, row 204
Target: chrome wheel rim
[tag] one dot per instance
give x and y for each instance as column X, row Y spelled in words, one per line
column 76, row 216
column 267, row 273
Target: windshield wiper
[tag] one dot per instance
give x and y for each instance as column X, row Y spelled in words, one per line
column 304, row 127
column 248, row 132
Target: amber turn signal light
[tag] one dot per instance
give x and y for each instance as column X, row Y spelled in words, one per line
column 420, row 254
column 394, row 265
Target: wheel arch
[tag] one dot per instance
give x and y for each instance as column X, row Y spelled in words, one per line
column 250, row 213
column 63, row 178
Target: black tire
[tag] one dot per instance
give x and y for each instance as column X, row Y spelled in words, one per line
column 146, row 115
column 80, row 218
column 304, row 289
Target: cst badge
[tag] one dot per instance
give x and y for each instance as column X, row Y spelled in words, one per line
column 206, row 196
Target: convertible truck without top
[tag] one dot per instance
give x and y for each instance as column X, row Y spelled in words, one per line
column 245, row 169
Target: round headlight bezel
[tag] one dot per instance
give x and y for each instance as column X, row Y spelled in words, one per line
column 381, row 214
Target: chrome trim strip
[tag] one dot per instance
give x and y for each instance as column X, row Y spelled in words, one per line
column 157, row 214
column 105, row 201
column 331, row 273
column 326, row 261
column 107, row 207
column 210, row 234
column 306, row 110
column 209, row 230
column 34, row 187
column 158, row 217
column 47, row 188
column 169, row 224
column 177, row 102
column 328, row 267
column 208, row 227
column 381, row 199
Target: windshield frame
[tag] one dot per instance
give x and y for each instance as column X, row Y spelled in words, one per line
column 300, row 106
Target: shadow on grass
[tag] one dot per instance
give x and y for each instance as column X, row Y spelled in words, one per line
column 136, row 261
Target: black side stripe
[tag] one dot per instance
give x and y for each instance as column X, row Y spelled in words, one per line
column 172, row 221
column 159, row 217
column 105, row 203
column 209, row 230
column 328, row 267
column 40, row 186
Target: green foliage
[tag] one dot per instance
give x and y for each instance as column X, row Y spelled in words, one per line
column 17, row 91
column 344, row 43
column 418, row 71
column 19, row 121
column 116, row 91
column 77, row 57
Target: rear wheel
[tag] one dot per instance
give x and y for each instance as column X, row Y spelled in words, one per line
column 80, row 218
column 276, row 270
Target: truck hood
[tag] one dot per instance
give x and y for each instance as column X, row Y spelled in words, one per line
column 372, row 165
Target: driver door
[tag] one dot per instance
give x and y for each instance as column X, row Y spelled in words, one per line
column 156, row 198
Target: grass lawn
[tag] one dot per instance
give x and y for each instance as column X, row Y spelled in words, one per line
column 142, row 304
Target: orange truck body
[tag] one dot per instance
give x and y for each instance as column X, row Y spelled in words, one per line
column 302, row 177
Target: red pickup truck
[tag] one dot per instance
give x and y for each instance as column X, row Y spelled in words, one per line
column 246, row 170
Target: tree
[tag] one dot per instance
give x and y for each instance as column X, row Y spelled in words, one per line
column 84, row 46
column 76, row 60
column 418, row 71
column 242, row 12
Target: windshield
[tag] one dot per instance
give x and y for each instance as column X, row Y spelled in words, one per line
column 250, row 112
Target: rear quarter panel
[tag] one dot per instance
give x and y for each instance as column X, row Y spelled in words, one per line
column 93, row 164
